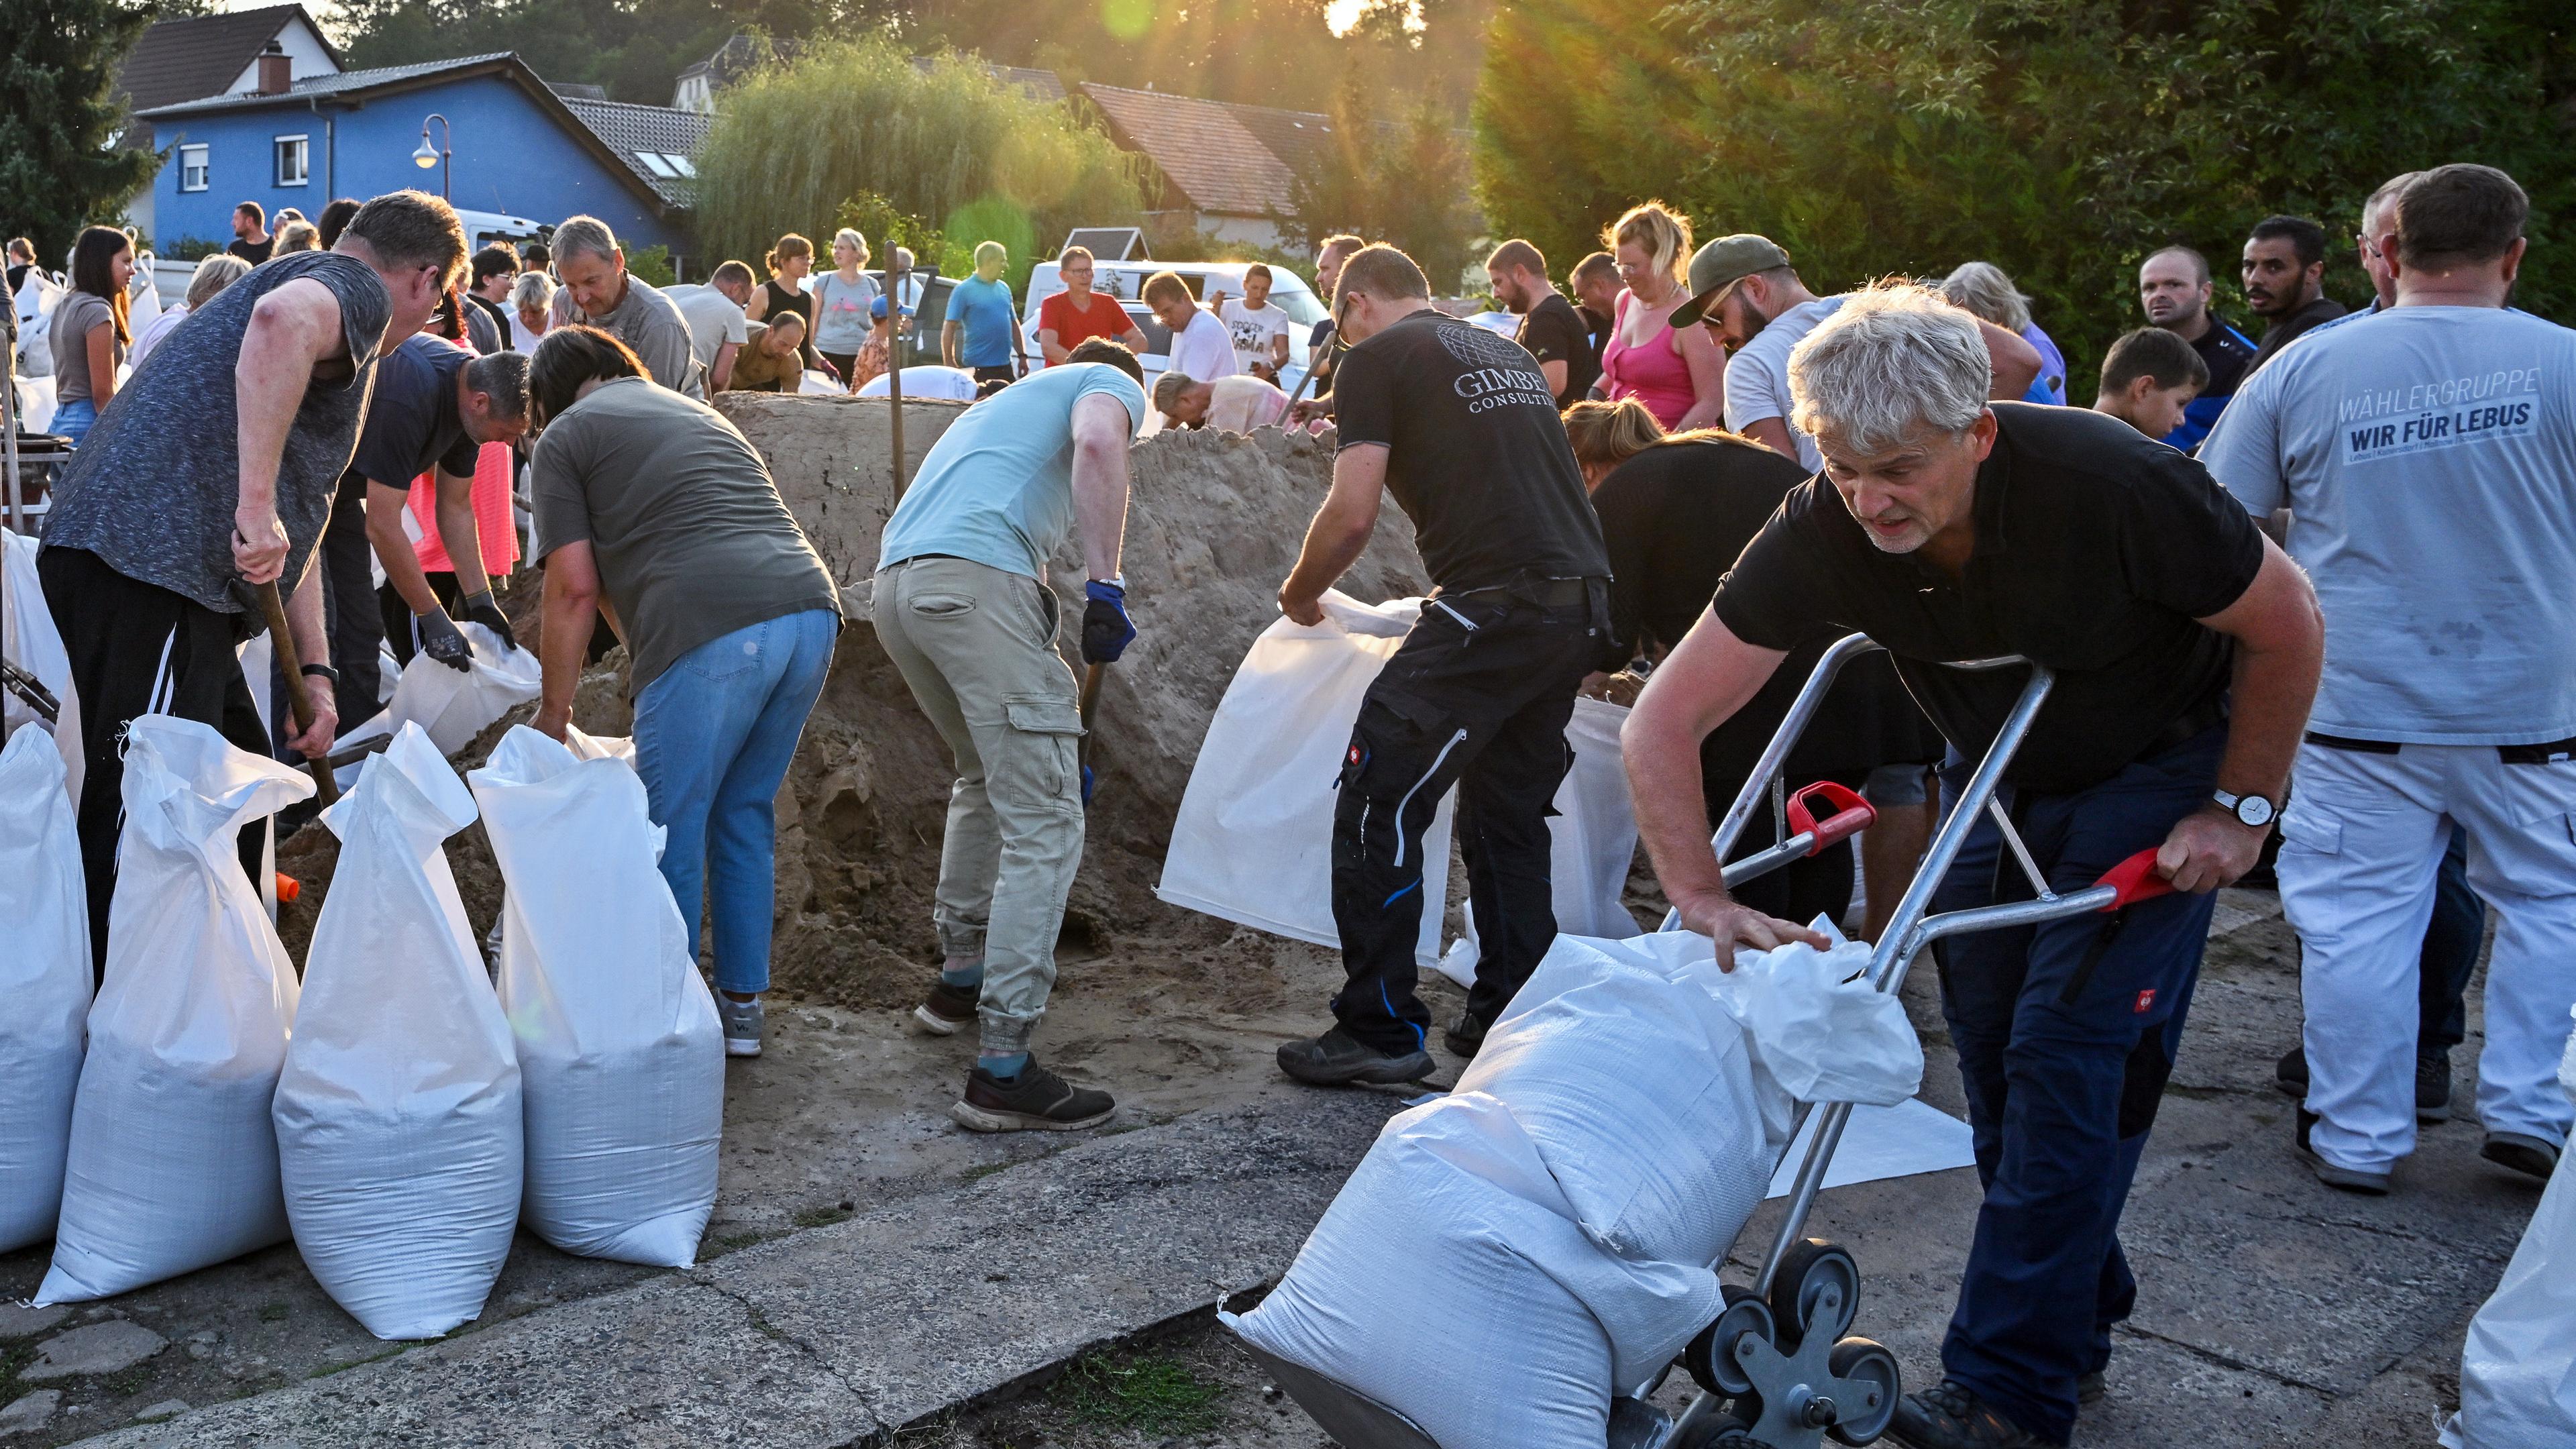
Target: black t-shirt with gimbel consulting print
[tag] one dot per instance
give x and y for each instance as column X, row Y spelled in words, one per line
column 1476, row 454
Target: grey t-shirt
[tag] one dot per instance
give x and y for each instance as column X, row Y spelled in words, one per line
column 74, row 316
column 1757, row 376
column 714, row 319
column 690, row 537
column 152, row 492
column 651, row 324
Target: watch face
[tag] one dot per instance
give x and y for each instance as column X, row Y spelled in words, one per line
column 2254, row 810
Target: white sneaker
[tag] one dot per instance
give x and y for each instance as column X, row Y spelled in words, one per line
column 745, row 1022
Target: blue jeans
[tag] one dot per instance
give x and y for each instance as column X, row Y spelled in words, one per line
column 73, row 420
column 713, row 735
column 2065, row 1034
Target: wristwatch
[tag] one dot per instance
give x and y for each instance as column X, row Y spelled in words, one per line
column 322, row 671
column 2252, row 810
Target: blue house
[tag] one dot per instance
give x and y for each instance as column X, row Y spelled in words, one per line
column 515, row 145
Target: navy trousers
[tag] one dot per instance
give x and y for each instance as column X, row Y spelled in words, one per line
column 2065, row 1035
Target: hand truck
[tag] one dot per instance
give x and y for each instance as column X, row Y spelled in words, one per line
column 1775, row 1368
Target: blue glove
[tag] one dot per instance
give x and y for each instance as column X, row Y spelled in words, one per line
column 1087, row 783
column 1106, row 629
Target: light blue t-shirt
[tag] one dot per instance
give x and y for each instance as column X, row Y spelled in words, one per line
column 997, row 487
column 2428, row 455
column 1757, row 376
column 984, row 309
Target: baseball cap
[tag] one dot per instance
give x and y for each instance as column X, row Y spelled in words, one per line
column 1720, row 265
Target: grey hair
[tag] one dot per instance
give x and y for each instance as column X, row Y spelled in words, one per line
column 2385, row 198
column 213, row 275
column 1896, row 359
column 585, row 234
column 1983, row 289
column 533, row 292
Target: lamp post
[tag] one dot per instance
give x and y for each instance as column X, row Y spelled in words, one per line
column 440, row 155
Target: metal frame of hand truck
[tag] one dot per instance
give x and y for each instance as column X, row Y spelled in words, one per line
column 1770, row 1378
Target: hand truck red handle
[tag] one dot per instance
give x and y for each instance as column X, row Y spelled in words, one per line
column 2135, row 880
column 1851, row 816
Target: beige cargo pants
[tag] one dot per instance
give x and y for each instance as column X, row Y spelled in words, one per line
column 977, row 647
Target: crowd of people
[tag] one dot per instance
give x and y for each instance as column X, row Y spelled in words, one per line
column 2331, row 561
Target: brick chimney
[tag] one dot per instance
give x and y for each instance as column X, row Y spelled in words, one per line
column 276, row 71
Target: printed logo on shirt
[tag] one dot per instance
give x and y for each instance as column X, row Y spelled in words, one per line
column 2146, row 1001
column 2392, row 422
column 1499, row 374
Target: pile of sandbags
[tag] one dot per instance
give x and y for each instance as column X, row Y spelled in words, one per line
column 1561, row 1213
column 454, row 705
column 29, row 640
column 173, row 1162
column 398, row 1113
column 2518, row 1368
column 44, row 982
column 621, row 1056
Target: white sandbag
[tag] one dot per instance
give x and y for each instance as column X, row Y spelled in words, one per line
column 1253, row 840
column 1819, row 1028
column 173, row 1161
column 44, row 985
column 1592, row 840
column 2518, row 1368
column 29, row 640
column 455, row 705
column 36, row 402
column 620, row 1052
column 398, row 1115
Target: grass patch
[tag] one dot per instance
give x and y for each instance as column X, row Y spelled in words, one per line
column 1150, row 1393
column 725, row 1243
column 340, row 1368
column 273, row 1312
column 822, row 1217
column 978, row 1174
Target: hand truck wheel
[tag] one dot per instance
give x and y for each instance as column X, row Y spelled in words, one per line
column 1815, row 1293
column 1711, row 1357
column 1871, row 1386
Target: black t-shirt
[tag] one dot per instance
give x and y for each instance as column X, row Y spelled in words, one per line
column 1597, row 328
column 2228, row 356
column 1552, row 333
column 2286, row 331
column 1673, row 518
column 2097, row 551
column 1476, row 455
column 253, row 252
column 412, row 421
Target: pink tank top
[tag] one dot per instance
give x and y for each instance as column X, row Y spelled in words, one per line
column 494, row 528
column 1650, row 371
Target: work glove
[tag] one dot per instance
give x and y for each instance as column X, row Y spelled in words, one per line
column 441, row 640
column 1106, row 629
column 482, row 610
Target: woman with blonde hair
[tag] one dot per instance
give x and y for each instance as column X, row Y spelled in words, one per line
column 298, row 235
column 213, row 274
column 1678, row 373
column 841, row 299
column 1607, row 434
column 790, row 263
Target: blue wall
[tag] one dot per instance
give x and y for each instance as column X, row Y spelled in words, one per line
column 510, row 157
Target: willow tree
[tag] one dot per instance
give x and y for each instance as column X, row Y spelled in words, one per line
column 945, row 141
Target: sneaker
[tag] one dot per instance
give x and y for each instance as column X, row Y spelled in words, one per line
column 2290, row 1073
column 1338, row 1059
column 1465, row 1036
column 948, row 1008
column 2433, row 1087
column 1949, row 1415
column 745, row 1022
column 2348, row 1179
column 1036, row 1100
column 2093, row 1388
column 2520, row 1152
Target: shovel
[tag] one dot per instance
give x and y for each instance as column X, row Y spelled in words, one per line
column 1092, row 674
column 281, row 644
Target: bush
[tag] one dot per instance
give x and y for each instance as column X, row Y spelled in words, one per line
column 188, row 249
column 651, row 266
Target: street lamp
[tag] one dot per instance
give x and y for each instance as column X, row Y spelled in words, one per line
column 440, row 155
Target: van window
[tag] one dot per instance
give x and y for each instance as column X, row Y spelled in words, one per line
column 1303, row 308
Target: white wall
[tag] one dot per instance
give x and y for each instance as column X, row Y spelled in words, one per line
column 304, row 51
column 1245, row 230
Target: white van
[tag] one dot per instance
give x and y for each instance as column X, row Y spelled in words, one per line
column 482, row 228
column 1126, row 282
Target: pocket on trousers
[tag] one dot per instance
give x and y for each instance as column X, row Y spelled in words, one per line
column 724, row 658
column 1042, row 764
column 2536, row 793
column 940, row 606
column 2310, row 829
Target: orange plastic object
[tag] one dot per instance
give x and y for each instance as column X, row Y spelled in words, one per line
column 288, row 888
column 1851, row 816
column 2136, row 880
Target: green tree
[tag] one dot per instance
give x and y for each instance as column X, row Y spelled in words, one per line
column 60, row 168
column 859, row 121
column 2059, row 139
column 1400, row 179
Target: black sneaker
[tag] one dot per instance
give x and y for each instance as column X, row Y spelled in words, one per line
column 2522, row 1153
column 1337, row 1059
column 1949, row 1415
column 1465, row 1036
column 948, row 1010
column 2433, row 1087
column 2347, row 1179
column 2290, row 1073
column 1036, row 1100
column 2093, row 1388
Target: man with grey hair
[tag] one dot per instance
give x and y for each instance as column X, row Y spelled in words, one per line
column 603, row 294
column 2186, row 649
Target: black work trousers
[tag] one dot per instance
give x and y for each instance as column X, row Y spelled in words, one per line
column 139, row 649
column 349, row 616
column 1478, row 697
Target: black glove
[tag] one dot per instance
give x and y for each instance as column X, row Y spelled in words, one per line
column 482, row 610
column 1106, row 629
column 441, row 640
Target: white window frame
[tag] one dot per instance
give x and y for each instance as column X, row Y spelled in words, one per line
column 687, row 168
column 204, row 167
column 656, row 163
column 303, row 156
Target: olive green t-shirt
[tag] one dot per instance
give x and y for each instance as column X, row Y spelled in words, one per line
column 690, row 537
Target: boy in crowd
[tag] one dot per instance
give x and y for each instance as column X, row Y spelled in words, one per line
column 2149, row 378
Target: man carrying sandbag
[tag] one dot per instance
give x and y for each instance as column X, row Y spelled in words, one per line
column 963, row 607
column 215, row 469
column 1461, row 426
column 2186, row 649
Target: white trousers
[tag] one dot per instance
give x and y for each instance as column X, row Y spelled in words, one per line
column 2360, row 844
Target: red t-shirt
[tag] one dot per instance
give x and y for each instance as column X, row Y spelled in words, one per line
column 1105, row 319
